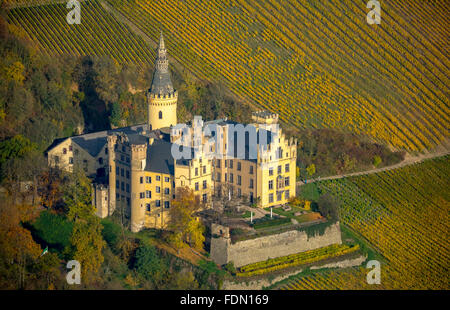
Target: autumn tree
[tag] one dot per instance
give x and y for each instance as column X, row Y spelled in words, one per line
column 87, row 241
column 184, row 225
column 17, row 248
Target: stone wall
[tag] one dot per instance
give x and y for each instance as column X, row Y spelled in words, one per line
column 260, row 249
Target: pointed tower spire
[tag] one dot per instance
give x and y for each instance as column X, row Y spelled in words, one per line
column 161, row 42
column 162, row 83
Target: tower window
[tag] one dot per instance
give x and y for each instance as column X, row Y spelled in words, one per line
column 160, row 114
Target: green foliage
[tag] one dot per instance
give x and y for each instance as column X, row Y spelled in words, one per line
column 87, row 245
column 149, row 264
column 77, row 196
column 268, row 222
column 310, row 192
column 328, row 206
column 115, row 114
column 377, row 160
column 311, row 169
column 335, row 152
column 53, row 229
column 16, row 147
column 111, row 232
column 316, row 229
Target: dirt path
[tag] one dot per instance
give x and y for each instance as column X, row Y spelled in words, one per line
column 409, row 160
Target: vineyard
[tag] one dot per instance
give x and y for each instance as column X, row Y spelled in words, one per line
column 404, row 214
column 99, row 33
column 302, row 258
column 316, row 63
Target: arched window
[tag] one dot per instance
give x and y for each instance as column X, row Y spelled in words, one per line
column 160, row 114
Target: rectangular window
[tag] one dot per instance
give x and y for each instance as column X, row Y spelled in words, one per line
column 270, row 184
column 239, row 166
column 128, row 201
column 166, row 191
column 279, row 169
column 158, row 189
column 204, row 184
column 279, row 196
column 251, row 183
column 226, row 163
column 226, row 176
column 231, row 178
column 147, row 207
column 128, row 187
column 286, row 168
column 231, row 164
column 148, row 194
column 204, row 169
column 196, row 186
column 219, row 177
column 122, row 186
column 70, row 148
column 205, row 198
column 286, row 195
column 239, row 192
column 251, row 169
column 117, row 170
column 148, row 180
column 142, row 195
column 239, row 180
column 218, row 163
column 64, row 151
column 70, row 160
column 166, row 179
column 286, row 181
column 270, row 171
column 122, row 172
column 141, row 180
column 128, row 174
column 158, row 203
column 166, row 204
column 117, row 183
column 158, row 178
column 270, row 198
column 196, row 171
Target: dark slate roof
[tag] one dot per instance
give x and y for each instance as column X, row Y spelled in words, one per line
column 161, row 83
column 94, row 142
column 159, row 157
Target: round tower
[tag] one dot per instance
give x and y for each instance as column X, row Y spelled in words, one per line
column 162, row 98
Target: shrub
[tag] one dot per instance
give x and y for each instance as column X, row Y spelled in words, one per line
column 53, row 229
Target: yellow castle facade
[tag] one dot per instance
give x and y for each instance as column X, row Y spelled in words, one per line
column 137, row 169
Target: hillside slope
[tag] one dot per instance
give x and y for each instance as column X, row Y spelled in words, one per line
column 316, row 63
column 404, row 214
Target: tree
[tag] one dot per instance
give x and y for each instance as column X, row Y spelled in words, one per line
column 376, row 160
column 184, row 225
column 87, row 244
column 311, row 169
column 328, row 206
column 77, row 196
column 149, row 265
column 17, row 247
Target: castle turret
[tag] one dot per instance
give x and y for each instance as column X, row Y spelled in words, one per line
column 162, row 98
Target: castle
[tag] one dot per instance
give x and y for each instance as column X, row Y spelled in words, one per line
column 138, row 168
